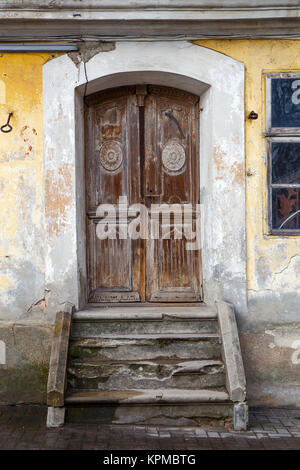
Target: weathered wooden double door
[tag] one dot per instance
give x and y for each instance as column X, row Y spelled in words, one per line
column 141, row 144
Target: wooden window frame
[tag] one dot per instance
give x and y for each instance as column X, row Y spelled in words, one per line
column 277, row 134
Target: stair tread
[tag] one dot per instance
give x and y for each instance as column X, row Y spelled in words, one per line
column 145, row 313
column 166, row 362
column 147, row 396
column 154, row 336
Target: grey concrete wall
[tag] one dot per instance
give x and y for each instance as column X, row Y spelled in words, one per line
column 24, row 362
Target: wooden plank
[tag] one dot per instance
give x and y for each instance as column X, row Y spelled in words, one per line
column 171, row 177
column 59, row 354
column 112, row 172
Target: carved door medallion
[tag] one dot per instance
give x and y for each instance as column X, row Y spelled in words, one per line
column 111, row 155
column 173, row 157
column 141, row 144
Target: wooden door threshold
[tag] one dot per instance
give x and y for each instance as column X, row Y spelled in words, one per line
column 92, row 305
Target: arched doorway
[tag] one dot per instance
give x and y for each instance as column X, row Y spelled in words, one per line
column 142, row 146
column 219, row 82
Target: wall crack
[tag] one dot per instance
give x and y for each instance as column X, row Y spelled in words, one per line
column 287, row 266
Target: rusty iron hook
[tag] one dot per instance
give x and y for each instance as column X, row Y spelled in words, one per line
column 9, row 127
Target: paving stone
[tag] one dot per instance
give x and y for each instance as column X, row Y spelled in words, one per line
column 23, row 427
column 256, row 427
column 274, row 420
column 282, row 431
column 213, row 434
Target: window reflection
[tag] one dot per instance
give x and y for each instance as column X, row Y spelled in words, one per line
column 286, row 162
column 286, row 205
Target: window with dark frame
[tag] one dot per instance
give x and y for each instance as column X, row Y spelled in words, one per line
column 283, row 135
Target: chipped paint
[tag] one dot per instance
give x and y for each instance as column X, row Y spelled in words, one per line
column 21, row 184
column 58, row 196
column 2, row 92
column 87, row 50
column 5, row 282
column 272, row 261
column 224, row 170
column 285, row 338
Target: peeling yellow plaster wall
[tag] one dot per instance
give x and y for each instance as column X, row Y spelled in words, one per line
column 272, row 261
column 21, row 154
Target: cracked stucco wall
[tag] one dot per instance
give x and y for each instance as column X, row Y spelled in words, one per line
column 273, row 262
column 22, row 257
column 25, row 335
column 270, row 332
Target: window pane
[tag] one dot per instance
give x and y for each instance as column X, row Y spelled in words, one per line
column 285, row 207
column 285, row 162
column 285, row 97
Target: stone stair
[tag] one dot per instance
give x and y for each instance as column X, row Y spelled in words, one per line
column 144, row 364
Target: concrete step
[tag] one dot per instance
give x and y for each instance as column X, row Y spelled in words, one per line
column 92, row 329
column 147, row 396
column 144, row 312
column 120, row 375
column 147, row 346
column 176, row 406
column 143, row 320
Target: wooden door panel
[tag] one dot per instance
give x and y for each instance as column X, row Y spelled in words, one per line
column 171, row 177
column 107, row 179
column 113, row 271
column 112, row 279
column 144, row 148
column 174, row 273
column 112, row 163
column 112, row 262
column 173, row 264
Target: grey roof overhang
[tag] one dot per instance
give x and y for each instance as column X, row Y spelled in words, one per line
column 151, row 19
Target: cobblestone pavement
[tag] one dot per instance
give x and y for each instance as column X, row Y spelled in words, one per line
column 23, row 427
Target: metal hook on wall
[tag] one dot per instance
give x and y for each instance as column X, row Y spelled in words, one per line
column 7, row 127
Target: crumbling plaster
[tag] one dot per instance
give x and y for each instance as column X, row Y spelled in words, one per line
column 22, row 232
column 29, row 277
column 273, row 262
column 220, row 82
column 25, row 337
column 270, row 333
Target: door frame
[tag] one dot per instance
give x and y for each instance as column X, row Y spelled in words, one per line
column 144, row 255
column 219, row 81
